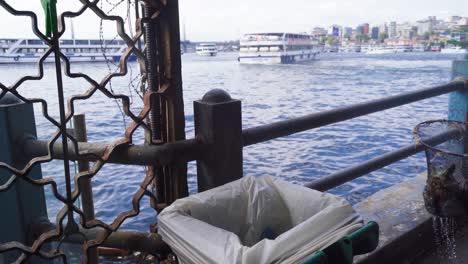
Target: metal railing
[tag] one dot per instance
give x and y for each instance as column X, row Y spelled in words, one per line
column 287, row 127
column 266, row 132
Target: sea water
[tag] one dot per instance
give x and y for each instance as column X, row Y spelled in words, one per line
column 269, row 93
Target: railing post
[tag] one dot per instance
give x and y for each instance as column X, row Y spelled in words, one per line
column 458, row 102
column 23, row 204
column 218, row 122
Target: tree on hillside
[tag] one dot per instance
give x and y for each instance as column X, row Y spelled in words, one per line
column 362, row 38
column 383, row 36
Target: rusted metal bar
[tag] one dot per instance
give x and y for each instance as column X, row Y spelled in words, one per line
column 71, row 224
column 153, row 68
column 172, row 104
column 267, row 132
column 79, row 125
column 146, row 155
column 129, row 240
column 151, row 243
column 351, row 173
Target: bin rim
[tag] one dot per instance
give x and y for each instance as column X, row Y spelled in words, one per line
column 455, row 125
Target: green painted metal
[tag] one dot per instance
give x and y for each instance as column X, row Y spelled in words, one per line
column 362, row 241
column 23, row 203
column 50, row 10
column 458, row 102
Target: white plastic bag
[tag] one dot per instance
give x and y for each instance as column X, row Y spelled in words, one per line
column 235, row 223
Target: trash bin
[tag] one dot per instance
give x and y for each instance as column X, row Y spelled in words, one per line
column 257, row 220
column 446, row 147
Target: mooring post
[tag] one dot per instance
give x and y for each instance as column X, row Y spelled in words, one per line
column 80, row 133
column 458, row 102
column 218, row 122
column 23, row 204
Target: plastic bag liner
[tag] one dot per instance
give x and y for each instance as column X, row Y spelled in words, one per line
column 255, row 220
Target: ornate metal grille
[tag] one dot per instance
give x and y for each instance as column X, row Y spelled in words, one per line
column 161, row 117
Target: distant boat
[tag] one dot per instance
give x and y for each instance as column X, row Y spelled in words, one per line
column 277, row 48
column 82, row 50
column 435, row 48
column 402, row 48
column 350, row 48
column 419, row 48
column 381, row 50
column 453, row 50
column 207, row 49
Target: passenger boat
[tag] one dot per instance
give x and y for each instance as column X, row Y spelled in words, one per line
column 402, row 48
column 453, row 50
column 76, row 50
column 381, row 50
column 207, row 49
column 277, row 48
column 419, row 48
column 435, row 48
column 350, row 48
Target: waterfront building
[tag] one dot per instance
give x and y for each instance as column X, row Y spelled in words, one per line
column 365, row 29
column 383, row 28
column 442, row 26
column 347, row 31
column 463, row 21
column 458, row 36
column 360, row 30
column 335, row 31
column 406, row 31
column 453, row 19
column 319, row 32
column 392, row 30
column 425, row 26
column 375, row 33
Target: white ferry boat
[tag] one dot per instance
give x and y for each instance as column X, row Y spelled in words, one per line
column 453, row 50
column 381, row 50
column 349, row 48
column 276, row 48
column 419, row 48
column 402, row 48
column 207, row 49
column 83, row 50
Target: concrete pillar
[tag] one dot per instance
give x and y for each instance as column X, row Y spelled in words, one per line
column 218, row 121
column 458, row 102
column 23, row 203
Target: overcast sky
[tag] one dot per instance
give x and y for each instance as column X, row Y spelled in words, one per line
column 227, row 20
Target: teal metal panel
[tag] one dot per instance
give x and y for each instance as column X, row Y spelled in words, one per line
column 458, row 102
column 32, row 197
column 9, row 227
column 23, row 203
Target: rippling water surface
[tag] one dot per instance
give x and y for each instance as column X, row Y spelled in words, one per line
column 268, row 94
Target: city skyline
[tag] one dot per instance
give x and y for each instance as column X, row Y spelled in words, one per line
column 303, row 15
column 227, row 20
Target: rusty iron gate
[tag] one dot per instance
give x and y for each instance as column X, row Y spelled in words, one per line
column 162, row 118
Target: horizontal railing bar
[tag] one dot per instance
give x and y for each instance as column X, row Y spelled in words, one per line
column 283, row 128
column 343, row 176
column 130, row 240
column 146, row 155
